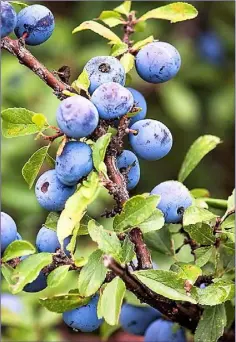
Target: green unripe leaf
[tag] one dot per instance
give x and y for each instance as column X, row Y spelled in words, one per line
column 137, row 46
column 186, row 271
column 127, row 60
column 82, row 82
column 124, row 8
column 110, row 18
column 40, row 120
column 99, row 151
column 63, row 302
column 119, row 49
column 57, row 276
column 18, row 248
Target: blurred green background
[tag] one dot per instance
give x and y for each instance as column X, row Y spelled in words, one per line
column 199, row 100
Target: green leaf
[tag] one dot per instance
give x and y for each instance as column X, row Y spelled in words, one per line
column 135, row 211
column 7, row 272
column 215, row 202
column 18, row 3
column 51, row 162
column 186, row 271
column 92, row 274
column 193, row 215
column 99, row 151
column 63, row 302
column 82, row 82
column 197, row 151
column 57, row 275
column 216, row 293
column 127, row 60
column 127, row 251
column 154, row 222
column 160, row 241
column 211, row 325
column 201, row 232
column 165, row 283
column 228, row 227
column 28, row 270
column 231, row 201
column 75, row 208
column 124, row 8
column 40, row 120
column 137, row 46
column 111, row 301
column 98, row 28
column 203, row 255
column 53, row 217
column 107, row 330
column 196, row 193
column 107, row 240
column 18, row 248
column 140, row 26
column 33, row 165
column 110, row 18
column 18, row 122
column 119, row 49
column 175, row 12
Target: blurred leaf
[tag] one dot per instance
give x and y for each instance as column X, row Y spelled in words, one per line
column 18, row 3
column 127, row 60
column 211, row 325
column 127, row 250
column 99, row 151
column 160, row 241
column 10, row 318
column 107, row 240
column 181, row 103
column 18, row 248
column 110, row 18
column 82, row 82
column 53, row 217
column 119, row 49
column 215, row 202
column 194, row 215
column 111, row 301
column 128, row 80
column 231, row 201
column 107, row 330
column 57, row 276
column 197, row 151
column 203, row 255
column 98, row 28
column 63, row 302
column 33, row 165
column 75, row 208
column 28, row 270
column 154, row 222
column 135, row 211
column 216, row 293
column 7, row 272
column 124, row 8
column 165, row 283
column 18, row 122
column 40, row 120
column 92, row 274
column 140, row 26
column 186, row 271
column 201, row 233
column 175, row 12
column 200, row 193
column 137, row 46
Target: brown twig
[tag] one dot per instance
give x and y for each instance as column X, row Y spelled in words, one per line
column 26, row 58
column 169, row 308
column 143, row 256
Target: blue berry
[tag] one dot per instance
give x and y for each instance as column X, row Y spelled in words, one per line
column 37, row 21
column 8, row 231
column 136, row 319
column 47, row 241
column 175, row 198
column 162, row 331
column 11, row 303
column 84, row 318
column 139, row 101
column 128, row 159
column 51, row 193
column 74, row 163
column 211, row 48
column 39, row 284
column 77, row 117
column 202, row 286
column 112, row 100
column 153, row 139
column 157, row 62
column 104, row 69
column 8, row 19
